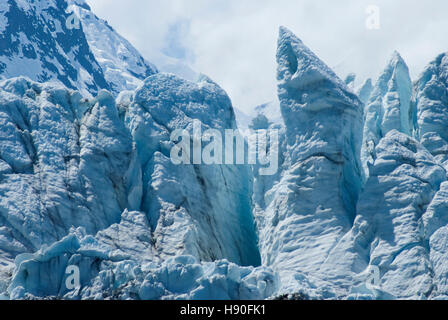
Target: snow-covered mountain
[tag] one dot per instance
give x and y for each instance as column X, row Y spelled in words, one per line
column 358, row 208
column 365, row 90
column 62, row 40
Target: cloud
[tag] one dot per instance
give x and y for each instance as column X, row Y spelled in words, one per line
column 234, row 42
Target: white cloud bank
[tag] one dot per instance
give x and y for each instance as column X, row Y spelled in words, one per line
column 234, row 41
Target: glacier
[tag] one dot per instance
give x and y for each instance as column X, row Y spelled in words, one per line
column 70, row 146
column 123, row 66
column 358, row 208
column 387, row 232
column 364, row 91
column 203, row 210
column 311, row 205
column 117, row 264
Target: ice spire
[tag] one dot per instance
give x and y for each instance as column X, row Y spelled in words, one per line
column 313, row 204
column 388, row 107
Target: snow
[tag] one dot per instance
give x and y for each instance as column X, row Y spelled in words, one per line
column 23, row 4
column 50, row 52
column 387, row 231
column 15, row 67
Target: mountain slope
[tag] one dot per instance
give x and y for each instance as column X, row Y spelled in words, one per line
column 89, row 181
column 123, row 66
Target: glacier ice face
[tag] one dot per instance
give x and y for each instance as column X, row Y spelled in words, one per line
column 178, row 226
column 69, row 162
column 308, row 234
column 36, row 36
column 38, row 42
column 271, row 111
column 199, row 210
column 365, row 90
column 117, row 264
column 430, row 104
column 388, row 107
column 311, row 205
column 435, row 233
column 350, row 81
column 66, row 161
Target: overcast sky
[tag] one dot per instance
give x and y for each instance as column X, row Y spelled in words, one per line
column 234, row 41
